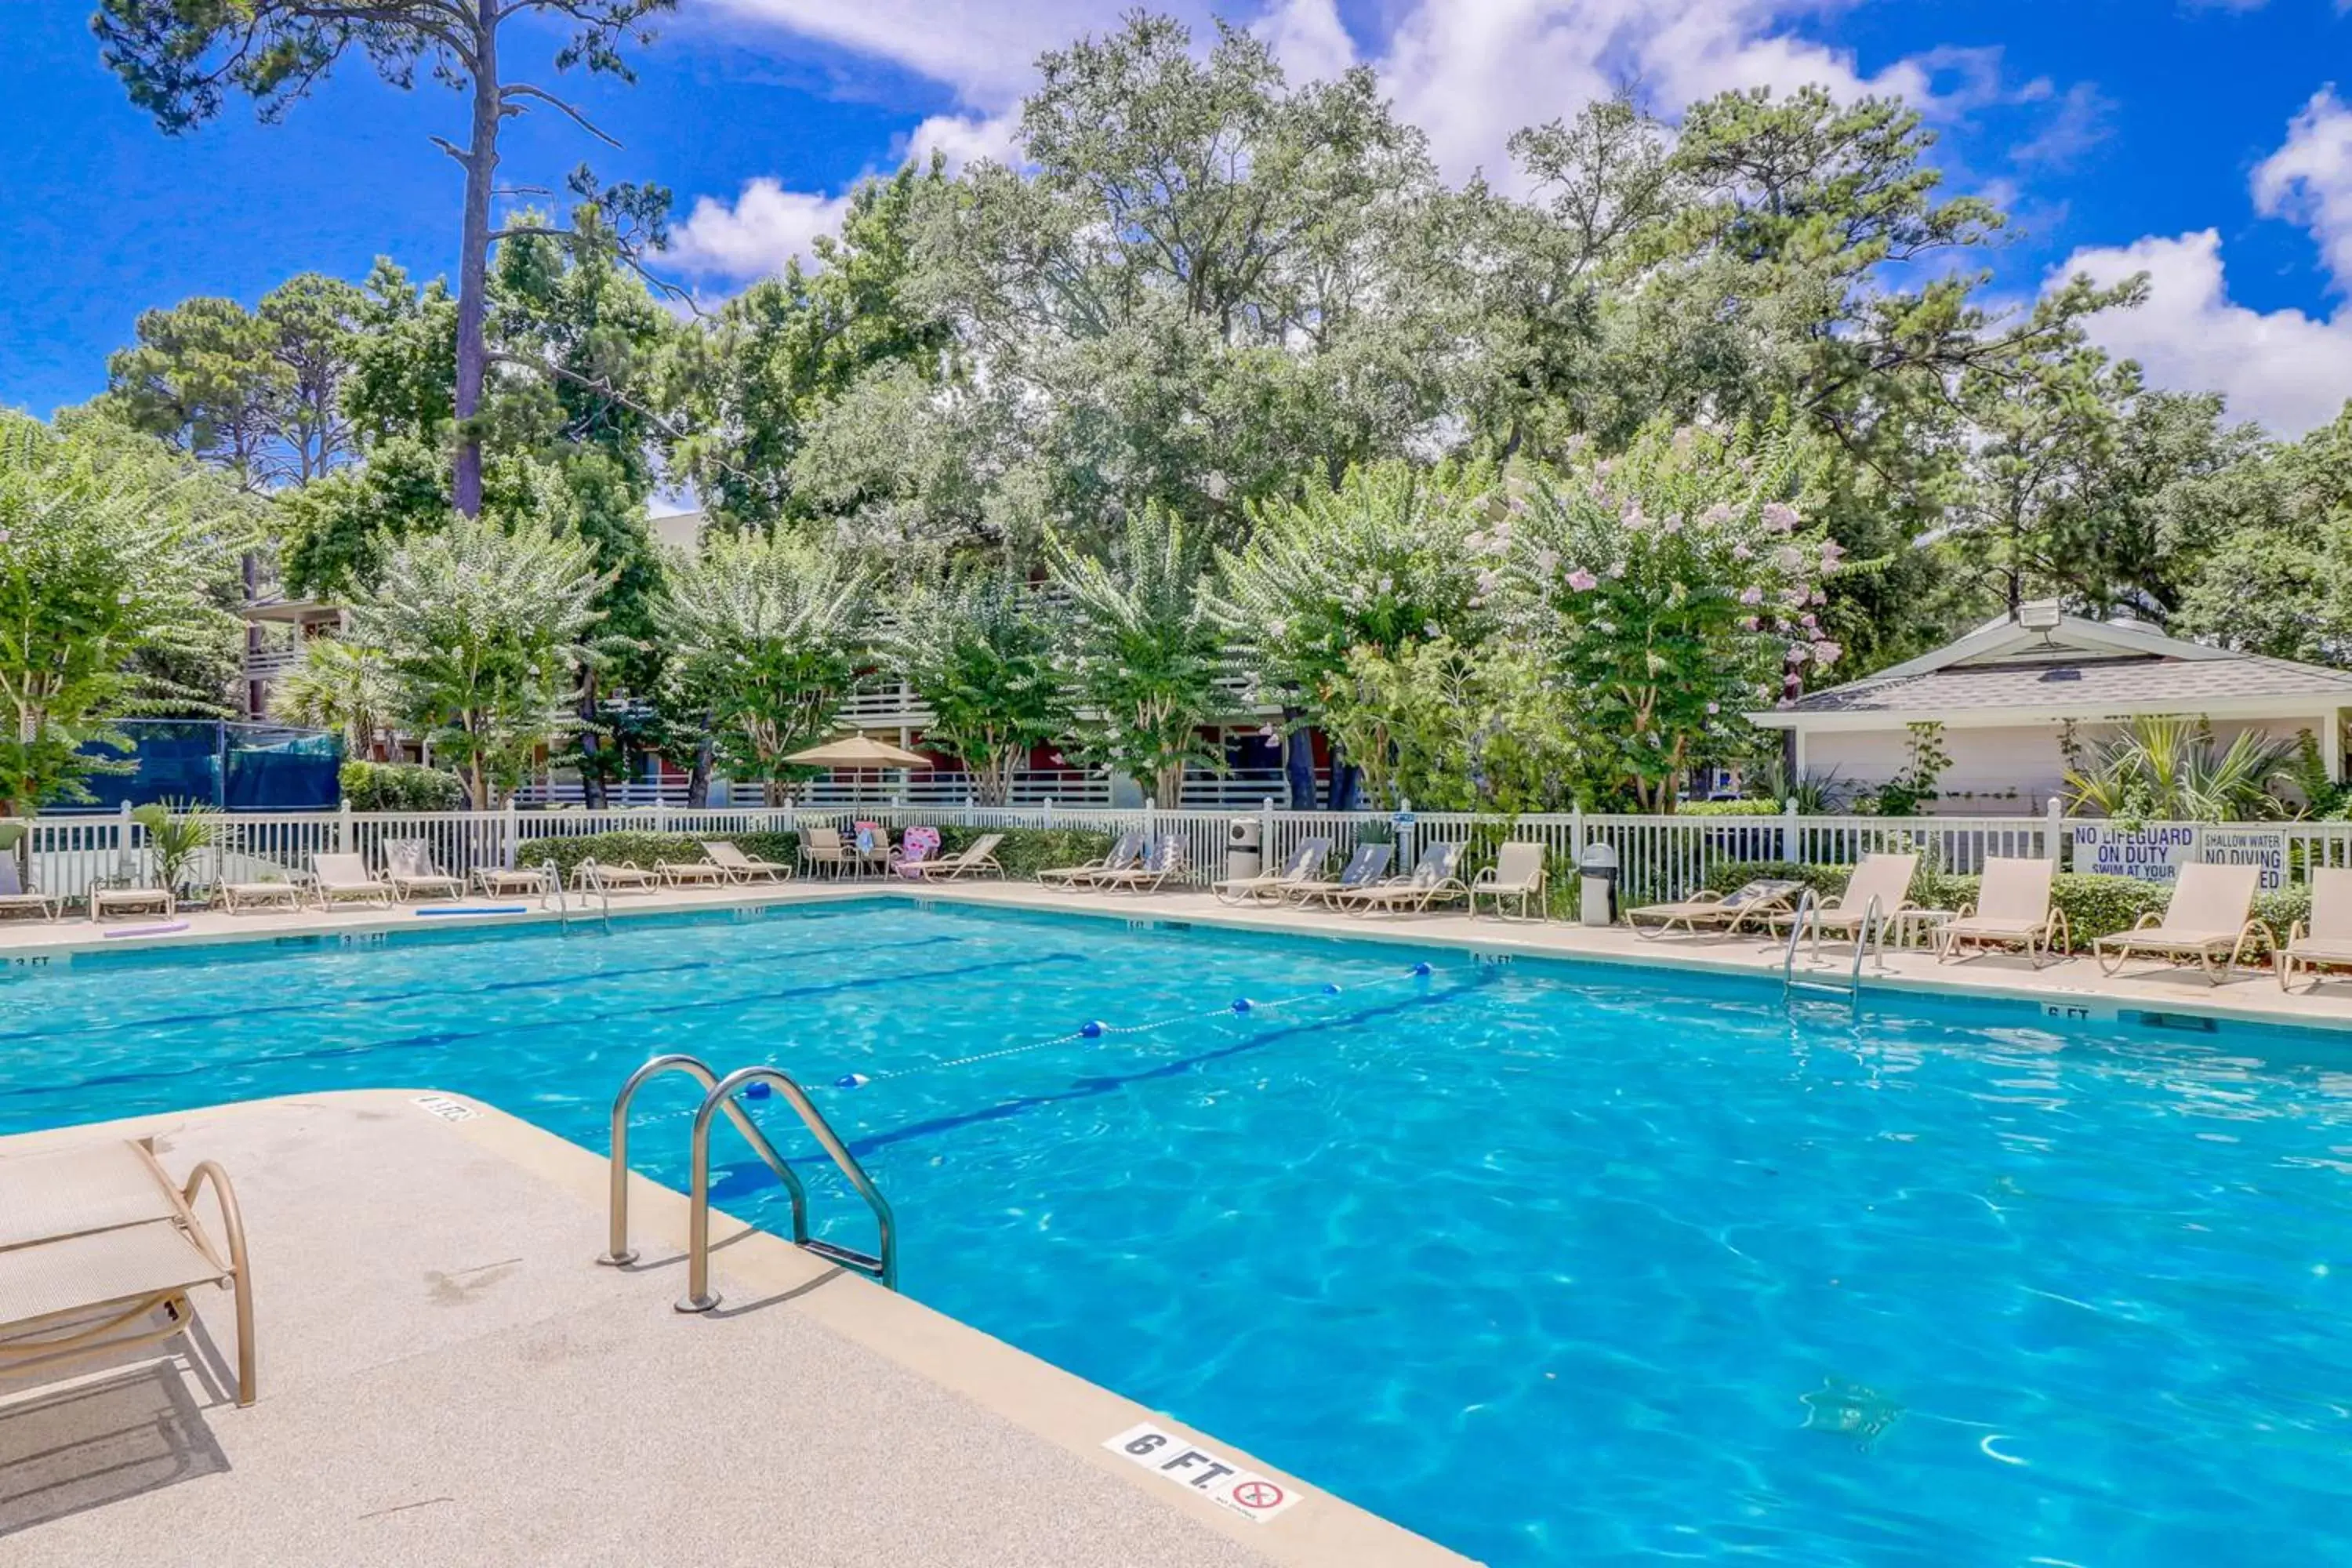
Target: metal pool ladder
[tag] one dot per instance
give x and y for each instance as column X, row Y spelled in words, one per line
column 718, row 1095
column 1871, row 932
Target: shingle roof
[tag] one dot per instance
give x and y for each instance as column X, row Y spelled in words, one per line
column 2089, row 683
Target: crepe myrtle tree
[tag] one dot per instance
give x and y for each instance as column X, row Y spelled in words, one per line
column 765, row 636
column 482, row 630
column 979, row 650
column 1669, row 588
column 179, row 59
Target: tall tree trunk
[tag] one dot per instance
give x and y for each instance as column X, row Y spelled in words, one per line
column 593, row 796
column 481, row 163
column 1298, row 761
column 1346, row 780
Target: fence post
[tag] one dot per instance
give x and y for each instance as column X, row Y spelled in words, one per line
column 661, row 814
column 510, row 835
column 2051, row 816
column 1575, row 832
column 1151, row 815
column 122, row 844
column 1048, row 816
column 1789, row 831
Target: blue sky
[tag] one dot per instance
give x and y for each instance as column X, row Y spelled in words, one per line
column 2203, row 141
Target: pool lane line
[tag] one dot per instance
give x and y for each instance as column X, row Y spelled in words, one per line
column 383, row 998
column 442, row 1038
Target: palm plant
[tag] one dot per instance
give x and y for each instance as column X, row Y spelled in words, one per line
column 2170, row 767
column 176, row 835
column 338, row 685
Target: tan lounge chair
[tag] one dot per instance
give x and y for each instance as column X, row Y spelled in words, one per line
column 96, row 1239
column 738, row 866
column 1305, row 865
column 13, row 895
column 1150, row 874
column 2013, row 906
column 2326, row 937
column 237, row 898
column 973, row 859
column 507, row 881
column 1364, row 868
column 822, row 849
column 2209, row 919
column 613, row 877
column 1432, row 878
column 341, row 877
column 409, row 867
column 1724, row 913
column 698, row 873
column 1125, row 850
column 1517, row 873
column 105, row 902
column 1883, row 881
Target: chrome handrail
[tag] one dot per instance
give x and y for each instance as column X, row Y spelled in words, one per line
column 883, row 1264
column 1809, row 902
column 619, row 1253
column 594, row 875
column 1872, row 929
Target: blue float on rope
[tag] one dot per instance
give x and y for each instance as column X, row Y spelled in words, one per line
column 1241, row 1003
column 1422, row 968
column 757, row 1090
column 1330, row 989
column 1091, row 1029
column 852, row 1080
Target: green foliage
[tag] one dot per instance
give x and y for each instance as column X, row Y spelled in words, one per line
column 979, row 650
column 643, row 848
column 1450, row 729
column 177, row 833
column 1144, row 652
column 401, row 786
column 1923, row 767
column 1026, row 851
column 2170, row 768
column 341, row 684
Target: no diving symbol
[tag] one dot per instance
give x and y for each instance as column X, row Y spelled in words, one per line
column 1258, row 1494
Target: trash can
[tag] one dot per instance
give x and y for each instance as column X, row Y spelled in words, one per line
column 1244, row 847
column 1598, row 868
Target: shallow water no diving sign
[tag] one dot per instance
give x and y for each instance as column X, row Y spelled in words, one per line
column 1244, row 1492
column 446, row 1109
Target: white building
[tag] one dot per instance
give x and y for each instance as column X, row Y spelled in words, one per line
column 2007, row 693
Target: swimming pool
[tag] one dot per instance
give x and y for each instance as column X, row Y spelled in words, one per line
column 1549, row 1262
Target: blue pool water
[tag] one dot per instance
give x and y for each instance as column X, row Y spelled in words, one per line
column 1553, row 1263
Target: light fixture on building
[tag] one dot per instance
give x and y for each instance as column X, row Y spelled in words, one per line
column 2041, row 616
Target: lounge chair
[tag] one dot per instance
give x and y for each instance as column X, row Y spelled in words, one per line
column 339, row 878
column 13, row 895
column 1124, row 852
column 614, row 877
column 2013, row 906
column 1431, row 878
column 238, row 898
column 2209, row 919
column 96, row 1239
column 1150, row 874
column 105, row 902
column 822, row 849
column 506, row 881
column 409, row 867
column 1881, row 881
column 975, row 857
column 1724, row 913
column 699, row 873
column 1305, row 864
column 2326, row 937
column 738, row 866
column 1364, row 868
column 1517, row 873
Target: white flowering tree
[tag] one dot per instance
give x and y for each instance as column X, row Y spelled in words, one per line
column 979, row 651
column 1144, row 650
column 482, row 631
column 1666, row 590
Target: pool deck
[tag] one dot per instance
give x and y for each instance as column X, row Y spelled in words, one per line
column 448, row 1377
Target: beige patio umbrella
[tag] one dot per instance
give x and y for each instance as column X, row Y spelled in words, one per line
column 858, row 752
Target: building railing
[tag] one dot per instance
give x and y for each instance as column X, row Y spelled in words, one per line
column 1659, row 856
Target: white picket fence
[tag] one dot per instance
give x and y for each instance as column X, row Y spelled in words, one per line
column 1659, row 856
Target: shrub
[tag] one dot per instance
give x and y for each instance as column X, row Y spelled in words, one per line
column 1029, row 850
column 401, row 786
column 1728, row 808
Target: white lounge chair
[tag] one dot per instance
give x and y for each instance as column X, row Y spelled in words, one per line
column 1883, row 881
column 2325, row 939
column 738, row 866
column 409, row 867
column 2209, row 918
column 1150, row 874
column 1758, row 901
column 614, row 877
column 972, row 860
column 2012, row 908
column 695, row 873
column 238, row 898
column 1517, row 873
column 1304, row 864
column 1125, row 850
column 96, row 1240
column 536, row 880
column 1431, row 878
column 343, row 878
column 105, row 902
column 1364, row 868
column 15, row 897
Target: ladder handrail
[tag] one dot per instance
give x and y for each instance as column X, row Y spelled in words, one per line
column 619, row 1252
column 1872, row 928
column 594, row 875
column 1809, row 902
column 883, row 1264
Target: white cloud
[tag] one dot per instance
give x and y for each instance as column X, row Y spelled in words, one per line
column 2309, row 179
column 963, row 138
column 2289, row 370
column 2080, row 124
column 764, row 227
column 1308, row 38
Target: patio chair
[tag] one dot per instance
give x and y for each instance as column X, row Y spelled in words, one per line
column 822, row 849
column 2326, row 937
column 1367, row 866
column 614, row 877
column 2013, row 906
column 869, row 846
column 105, row 902
column 15, row 897
column 738, row 866
column 2209, row 918
column 1150, row 874
column 978, row 856
column 96, row 1239
column 1882, row 880
column 1124, row 852
column 1517, row 873
column 1433, row 877
column 1304, row 865
column 409, row 867
column 344, row 878
column 1723, row 913
column 240, row 898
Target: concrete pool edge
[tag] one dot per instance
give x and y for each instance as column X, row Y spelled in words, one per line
column 765, row 1273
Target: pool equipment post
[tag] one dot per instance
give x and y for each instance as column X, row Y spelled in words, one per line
column 618, row 1252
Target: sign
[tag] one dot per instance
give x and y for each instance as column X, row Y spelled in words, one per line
column 2145, row 854
column 1223, row 1481
column 38, row 960
column 2263, row 847
column 446, row 1109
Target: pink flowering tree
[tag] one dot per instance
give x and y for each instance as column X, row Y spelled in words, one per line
column 1667, row 590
